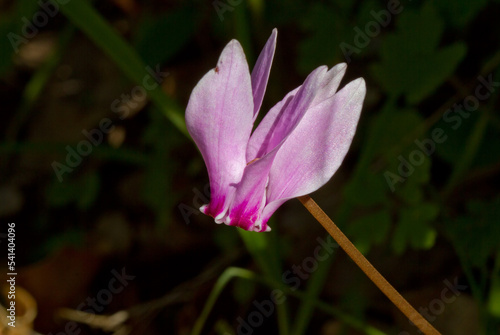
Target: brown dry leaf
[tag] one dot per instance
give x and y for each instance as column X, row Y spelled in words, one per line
column 59, row 280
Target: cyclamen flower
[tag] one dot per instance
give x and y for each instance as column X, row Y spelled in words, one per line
column 295, row 149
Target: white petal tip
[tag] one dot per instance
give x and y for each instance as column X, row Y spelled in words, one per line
column 220, row 218
column 258, row 228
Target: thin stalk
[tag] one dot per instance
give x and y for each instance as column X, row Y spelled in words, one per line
column 234, row 272
column 367, row 267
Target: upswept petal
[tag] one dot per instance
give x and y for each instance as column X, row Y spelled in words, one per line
column 313, row 152
column 261, row 70
column 285, row 116
column 219, row 117
column 249, row 200
column 331, row 83
column 259, row 135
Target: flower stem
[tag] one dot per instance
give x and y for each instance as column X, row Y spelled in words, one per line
column 367, row 267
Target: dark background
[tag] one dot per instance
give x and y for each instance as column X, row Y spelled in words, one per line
column 426, row 215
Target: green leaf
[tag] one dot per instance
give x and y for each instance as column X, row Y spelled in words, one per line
column 394, row 127
column 494, row 296
column 243, row 291
column 283, row 12
column 72, row 237
column 219, row 286
column 82, row 191
column 370, row 230
column 435, row 70
column 38, row 82
column 458, row 134
column 322, row 44
column 369, row 185
column 226, row 239
column 60, row 194
column 410, row 191
column 160, row 38
column 460, row 12
column 411, row 63
column 475, row 235
column 265, row 251
column 11, row 31
column 414, row 158
column 315, row 285
column 85, row 17
column 371, row 192
column 414, row 229
column 157, row 188
column 88, row 190
column 234, row 272
column 366, row 189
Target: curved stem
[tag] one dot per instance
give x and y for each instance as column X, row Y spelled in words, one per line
column 367, row 267
column 234, row 272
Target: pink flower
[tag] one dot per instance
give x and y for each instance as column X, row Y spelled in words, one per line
column 296, row 148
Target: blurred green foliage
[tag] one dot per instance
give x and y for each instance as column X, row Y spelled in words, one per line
column 412, row 64
column 417, row 67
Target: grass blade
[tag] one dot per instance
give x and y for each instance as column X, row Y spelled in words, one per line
column 88, row 20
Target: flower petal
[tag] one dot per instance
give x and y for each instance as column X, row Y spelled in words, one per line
column 265, row 126
column 246, row 209
column 261, row 70
column 250, row 197
column 313, row 152
column 219, row 117
column 331, row 82
column 284, row 116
